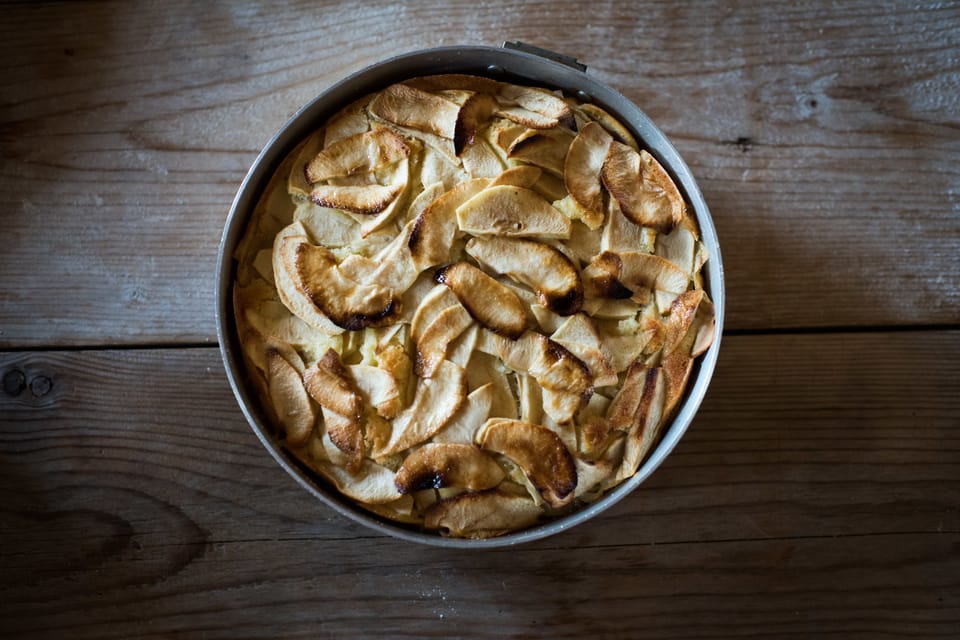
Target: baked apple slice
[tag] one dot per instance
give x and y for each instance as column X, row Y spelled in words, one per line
column 512, row 211
column 289, row 398
column 490, row 303
column 546, row 149
column 646, row 193
column 434, row 466
column 581, row 171
column 484, row 514
column 333, row 388
column 349, row 304
column 359, row 153
column 410, row 107
column 538, row 451
column 436, row 337
column 541, row 267
column 436, row 400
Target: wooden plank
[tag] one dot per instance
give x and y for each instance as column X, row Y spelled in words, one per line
column 901, row 586
column 816, row 493
column 825, row 140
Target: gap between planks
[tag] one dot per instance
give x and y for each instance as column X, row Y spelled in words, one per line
column 652, row 543
column 733, row 333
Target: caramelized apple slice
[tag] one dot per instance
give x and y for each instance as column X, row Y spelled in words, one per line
column 621, row 275
column 435, row 228
column 682, row 312
column 538, row 451
column 676, row 372
column 331, row 385
column 368, row 199
column 474, row 114
column 543, row 268
column 679, row 247
column 611, row 124
column 639, row 410
column 269, row 321
column 438, row 299
column 565, row 379
column 646, row 193
column 378, row 388
column 501, row 134
column 706, row 327
column 348, row 304
column 579, row 335
column 288, row 284
column 359, row 153
column 533, row 107
column 490, row 303
column 434, row 466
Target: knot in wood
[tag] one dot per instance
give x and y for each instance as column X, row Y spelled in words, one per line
column 14, row 382
column 41, row 386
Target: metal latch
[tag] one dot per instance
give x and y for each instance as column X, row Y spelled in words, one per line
column 545, row 53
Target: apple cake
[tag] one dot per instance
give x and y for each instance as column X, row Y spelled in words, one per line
column 471, row 305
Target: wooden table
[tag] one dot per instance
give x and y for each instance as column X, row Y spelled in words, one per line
column 816, row 493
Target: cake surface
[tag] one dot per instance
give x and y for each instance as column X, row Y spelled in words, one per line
column 471, row 305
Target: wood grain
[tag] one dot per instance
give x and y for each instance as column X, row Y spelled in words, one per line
column 825, row 138
column 816, row 495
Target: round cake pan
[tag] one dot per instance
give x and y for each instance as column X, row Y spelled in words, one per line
column 513, row 63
